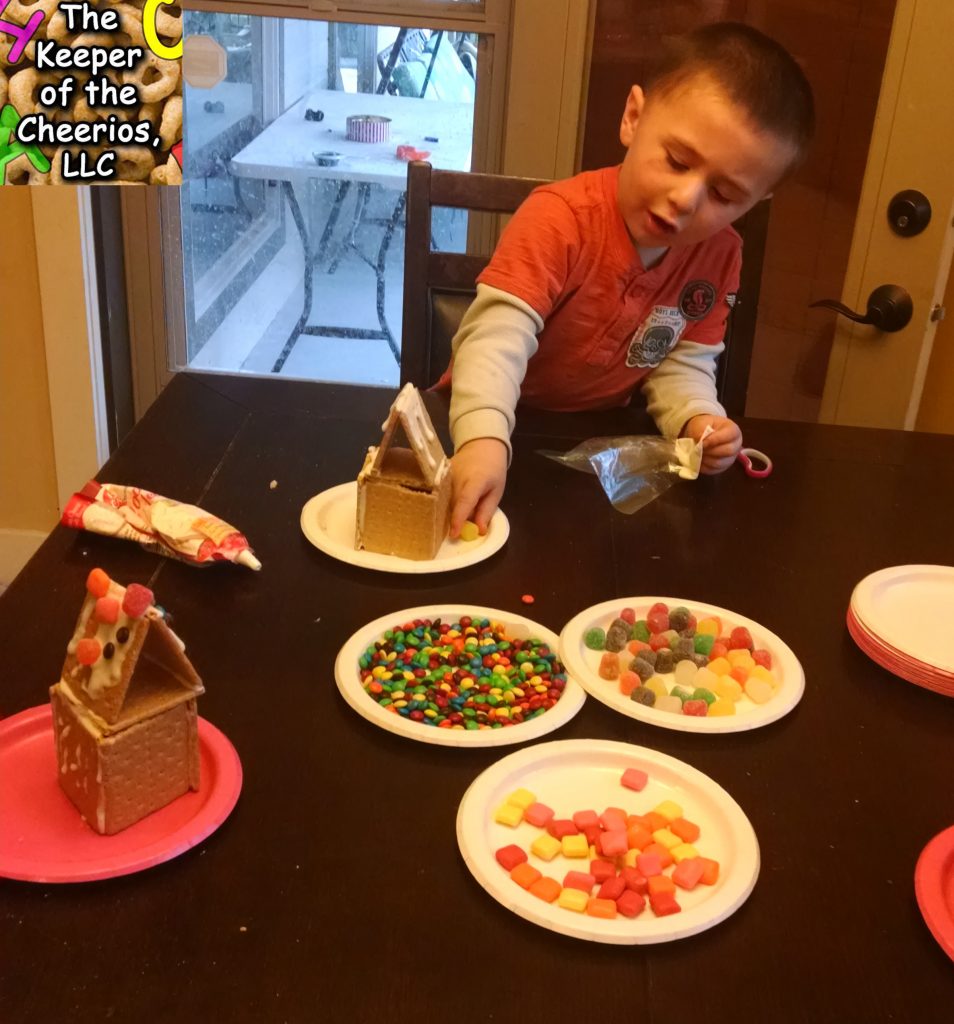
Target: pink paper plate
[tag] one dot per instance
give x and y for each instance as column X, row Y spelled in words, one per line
column 43, row 838
column 934, row 888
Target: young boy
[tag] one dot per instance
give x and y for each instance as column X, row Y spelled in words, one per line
column 624, row 277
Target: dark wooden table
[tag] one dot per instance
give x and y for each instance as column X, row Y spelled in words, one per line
column 335, row 891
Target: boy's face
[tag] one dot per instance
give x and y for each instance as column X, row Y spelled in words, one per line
column 694, row 163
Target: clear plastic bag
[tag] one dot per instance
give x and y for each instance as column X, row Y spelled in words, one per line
column 634, row 470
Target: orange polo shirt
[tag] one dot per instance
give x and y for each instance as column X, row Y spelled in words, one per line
column 608, row 322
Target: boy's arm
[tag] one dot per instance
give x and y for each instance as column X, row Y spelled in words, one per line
column 493, row 344
column 683, row 386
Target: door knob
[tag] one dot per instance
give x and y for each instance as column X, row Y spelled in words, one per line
column 889, row 308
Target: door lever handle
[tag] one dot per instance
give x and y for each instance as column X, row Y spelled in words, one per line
column 889, row 308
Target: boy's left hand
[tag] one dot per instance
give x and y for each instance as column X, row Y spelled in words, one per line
column 721, row 447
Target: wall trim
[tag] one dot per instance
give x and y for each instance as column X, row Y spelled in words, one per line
column 70, row 307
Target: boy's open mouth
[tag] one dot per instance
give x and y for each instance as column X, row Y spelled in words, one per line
column 661, row 226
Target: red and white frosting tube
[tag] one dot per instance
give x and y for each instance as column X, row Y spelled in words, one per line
column 159, row 524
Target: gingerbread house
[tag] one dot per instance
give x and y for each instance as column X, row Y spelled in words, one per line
column 404, row 493
column 124, row 711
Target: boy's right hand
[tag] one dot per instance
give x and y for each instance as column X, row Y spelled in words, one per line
column 478, row 473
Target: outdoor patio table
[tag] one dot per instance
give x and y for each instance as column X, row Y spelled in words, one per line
column 285, row 150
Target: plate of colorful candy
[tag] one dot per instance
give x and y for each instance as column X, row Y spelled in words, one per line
column 606, row 841
column 458, row 676
column 682, row 665
column 328, row 521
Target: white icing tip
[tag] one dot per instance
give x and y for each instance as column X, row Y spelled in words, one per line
column 247, row 559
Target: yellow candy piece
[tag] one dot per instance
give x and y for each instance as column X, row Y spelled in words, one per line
column 708, row 626
column 575, row 846
column 629, row 858
column 666, row 838
column 723, row 705
column 720, row 666
column 669, row 809
column 508, row 814
column 546, row 846
column 741, row 657
column 761, row 672
column 727, row 687
column 685, row 850
column 573, row 899
column 521, row 798
column 756, row 689
column 656, row 684
column 469, row 531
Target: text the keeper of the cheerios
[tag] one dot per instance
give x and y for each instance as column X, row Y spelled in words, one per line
column 51, row 56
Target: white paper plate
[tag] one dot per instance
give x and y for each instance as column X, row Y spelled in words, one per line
column 348, row 678
column 584, row 665
column 328, row 521
column 899, row 605
column 575, row 775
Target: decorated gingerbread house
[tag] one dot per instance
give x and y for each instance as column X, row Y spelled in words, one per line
column 404, row 492
column 124, row 711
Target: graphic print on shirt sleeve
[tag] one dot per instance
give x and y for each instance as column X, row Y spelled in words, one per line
column 655, row 337
column 697, row 298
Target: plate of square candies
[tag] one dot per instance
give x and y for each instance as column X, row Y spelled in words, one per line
column 682, row 664
column 607, row 841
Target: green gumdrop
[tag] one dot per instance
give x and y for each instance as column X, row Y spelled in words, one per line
column 703, row 694
column 682, row 693
column 703, row 643
column 640, row 631
column 595, row 639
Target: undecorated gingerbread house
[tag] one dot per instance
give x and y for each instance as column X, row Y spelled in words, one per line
column 404, row 493
column 124, row 711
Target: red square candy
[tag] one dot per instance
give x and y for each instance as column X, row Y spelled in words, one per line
column 613, row 819
column 688, row 873
column 648, row 864
column 602, row 869
column 579, row 880
column 664, row 903
column 613, row 844
column 508, row 857
column 560, row 827
column 630, row 904
column 538, row 814
column 633, row 778
column 612, row 888
column 635, row 880
column 584, row 818
column 593, row 833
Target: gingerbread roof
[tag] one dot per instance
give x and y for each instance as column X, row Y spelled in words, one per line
column 408, row 414
column 123, row 662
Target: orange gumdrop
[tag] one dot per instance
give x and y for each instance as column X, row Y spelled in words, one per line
column 97, row 583
column 739, row 673
column 88, row 651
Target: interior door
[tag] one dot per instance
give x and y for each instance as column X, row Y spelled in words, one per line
column 877, row 377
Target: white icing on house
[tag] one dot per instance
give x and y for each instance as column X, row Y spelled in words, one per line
column 408, row 412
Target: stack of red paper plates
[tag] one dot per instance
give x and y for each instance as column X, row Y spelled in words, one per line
column 900, row 617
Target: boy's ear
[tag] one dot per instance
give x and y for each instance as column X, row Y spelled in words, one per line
column 635, row 102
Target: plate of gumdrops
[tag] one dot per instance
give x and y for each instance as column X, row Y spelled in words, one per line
column 681, row 664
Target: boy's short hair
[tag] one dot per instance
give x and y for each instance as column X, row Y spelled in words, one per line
column 756, row 72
